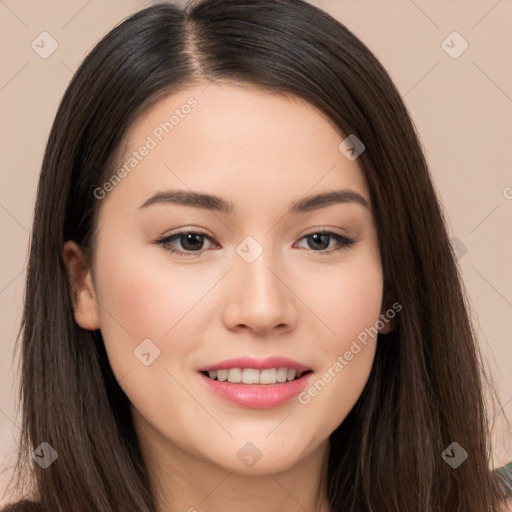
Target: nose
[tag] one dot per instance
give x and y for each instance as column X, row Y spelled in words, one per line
column 259, row 298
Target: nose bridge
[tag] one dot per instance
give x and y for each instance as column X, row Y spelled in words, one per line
column 261, row 300
column 256, row 266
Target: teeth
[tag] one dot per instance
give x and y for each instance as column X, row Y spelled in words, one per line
column 253, row 376
column 281, row 374
column 249, row 375
column 234, row 375
column 268, row 376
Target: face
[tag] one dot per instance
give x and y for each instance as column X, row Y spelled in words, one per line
column 179, row 283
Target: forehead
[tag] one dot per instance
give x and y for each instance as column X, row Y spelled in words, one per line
column 239, row 142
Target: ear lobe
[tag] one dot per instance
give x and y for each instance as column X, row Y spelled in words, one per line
column 389, row 323
column 388, row 326
column 85, row 305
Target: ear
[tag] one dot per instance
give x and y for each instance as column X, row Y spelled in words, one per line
column 85, row 304
column 389, row 323
column 388, row 326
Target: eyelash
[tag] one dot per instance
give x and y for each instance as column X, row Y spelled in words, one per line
column 345, row 242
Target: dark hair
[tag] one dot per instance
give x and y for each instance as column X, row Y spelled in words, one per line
column 426, row 388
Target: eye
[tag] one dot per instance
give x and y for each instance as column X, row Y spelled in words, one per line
column 321, row 240
column 191, row 241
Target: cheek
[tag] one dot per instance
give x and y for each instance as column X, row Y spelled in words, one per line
column 132, row 299
column 357, row 303
column 353, row 313
column 139, row 301
column 139, row 293
column 345, row 299
column 349, row 307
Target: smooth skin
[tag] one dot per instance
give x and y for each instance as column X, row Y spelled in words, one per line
column 301, row 299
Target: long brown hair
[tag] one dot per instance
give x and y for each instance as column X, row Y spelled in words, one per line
column 426, row 387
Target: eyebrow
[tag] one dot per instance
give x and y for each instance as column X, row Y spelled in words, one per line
column 210, row 202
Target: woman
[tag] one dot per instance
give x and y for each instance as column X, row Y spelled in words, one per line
column 313, row 350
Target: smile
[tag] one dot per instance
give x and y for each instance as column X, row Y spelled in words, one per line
column 255, row 395
column 255, row 376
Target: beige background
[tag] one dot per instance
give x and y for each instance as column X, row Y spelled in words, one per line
column 461, row 106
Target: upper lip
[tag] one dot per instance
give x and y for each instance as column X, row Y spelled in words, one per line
column 258, row 364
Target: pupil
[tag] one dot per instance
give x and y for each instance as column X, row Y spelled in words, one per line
column 317, row 239
column 190, row 238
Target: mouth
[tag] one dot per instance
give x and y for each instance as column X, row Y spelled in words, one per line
column 256, row 389
column 254, row 376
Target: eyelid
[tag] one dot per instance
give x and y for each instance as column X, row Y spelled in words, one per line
column 183, row 231
column 326, row 229
column 345, row 240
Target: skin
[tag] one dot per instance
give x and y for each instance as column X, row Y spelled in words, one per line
column 300, row 300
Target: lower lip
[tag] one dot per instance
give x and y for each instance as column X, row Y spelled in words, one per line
column 257, row 396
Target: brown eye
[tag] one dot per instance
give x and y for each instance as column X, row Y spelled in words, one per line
column 190, row 241
column 320, row 241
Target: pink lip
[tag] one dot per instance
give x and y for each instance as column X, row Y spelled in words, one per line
column 258, row 364
column 257, row 396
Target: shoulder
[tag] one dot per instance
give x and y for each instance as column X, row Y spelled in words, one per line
column 23, row 506
column 505, row 474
